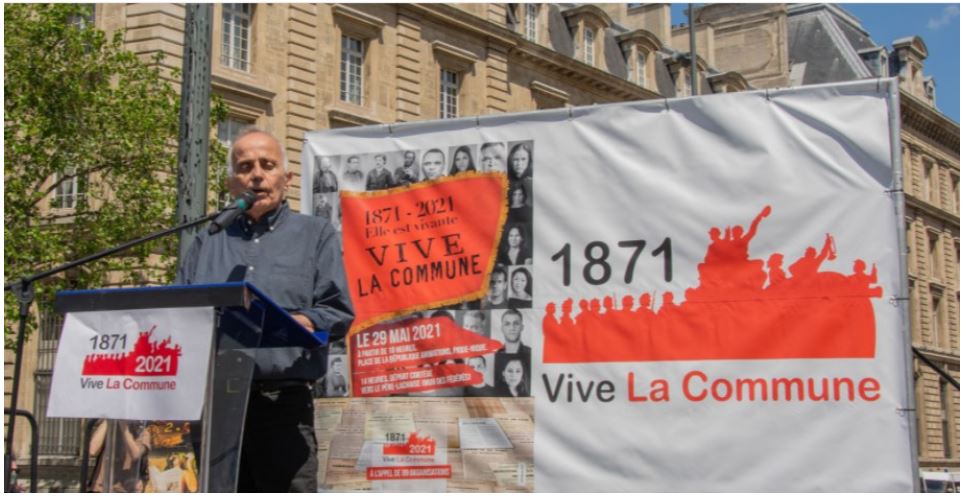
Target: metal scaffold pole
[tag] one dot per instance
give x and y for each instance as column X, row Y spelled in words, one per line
column 193, row 138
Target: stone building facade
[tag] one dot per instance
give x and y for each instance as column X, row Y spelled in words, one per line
column 774, row 45
column 292, row 68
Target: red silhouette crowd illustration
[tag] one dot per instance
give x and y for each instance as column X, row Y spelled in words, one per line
column 118, row 364
column 742, row 309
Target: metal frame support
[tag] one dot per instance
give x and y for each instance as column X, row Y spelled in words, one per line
column 34, row 443
column 23, row 290
column 893, row 116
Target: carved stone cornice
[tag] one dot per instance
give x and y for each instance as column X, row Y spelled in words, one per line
column 247, row 99
column 933, row 210
column 731, row 78
column 349, row 118
column 921, row 117
column 601, row 17
column 534, row 53
column 249, row 90
column 356, row 21
column 464, row 21
column 938, row 356
column 642, row 38
column 550, row 91
column 581, row 72
column 456, row 57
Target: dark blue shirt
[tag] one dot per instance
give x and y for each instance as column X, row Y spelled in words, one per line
column 293, row 258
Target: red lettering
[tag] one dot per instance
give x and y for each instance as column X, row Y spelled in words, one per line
column 727, row 390
column 686, row 386
column 632, row 389
column 869, row 389
column 838, row 382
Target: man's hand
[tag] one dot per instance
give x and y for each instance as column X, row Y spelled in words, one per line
column 304, row 321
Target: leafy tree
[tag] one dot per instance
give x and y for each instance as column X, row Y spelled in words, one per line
column 79, row 107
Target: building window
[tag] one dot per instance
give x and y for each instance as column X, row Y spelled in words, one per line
column 908, row 166
column 512, row 16
column 352, row 60
column 916, row 329
column 588, row 46
column 937, row 319
column 934, row 255
column 448, row 94
column 84, row 20
column 229, row 128
column 641, row 69
column 956, row 191
column 532, row 24
column 69, row 189
column 57, row 436
column 957, row 258
column 236, row 35
column 928, row 184
column 919, row 397
column 946, row 435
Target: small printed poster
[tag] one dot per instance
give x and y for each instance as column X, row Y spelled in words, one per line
column 133, row 364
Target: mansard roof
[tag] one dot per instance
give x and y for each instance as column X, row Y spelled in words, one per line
column 826, row 42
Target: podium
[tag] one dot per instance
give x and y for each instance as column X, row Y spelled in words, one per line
column 251, row 338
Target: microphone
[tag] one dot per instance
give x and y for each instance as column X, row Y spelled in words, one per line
column 227, row 216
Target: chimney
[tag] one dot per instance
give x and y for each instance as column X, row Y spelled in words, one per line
column 908, row 56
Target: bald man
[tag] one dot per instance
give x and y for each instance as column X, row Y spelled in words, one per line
column 296, row 260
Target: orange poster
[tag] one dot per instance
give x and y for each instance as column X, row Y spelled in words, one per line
column 421, row 247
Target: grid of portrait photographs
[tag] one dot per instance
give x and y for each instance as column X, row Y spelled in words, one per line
column 505, row 313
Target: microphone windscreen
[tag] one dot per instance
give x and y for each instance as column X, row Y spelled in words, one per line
column 246, row 199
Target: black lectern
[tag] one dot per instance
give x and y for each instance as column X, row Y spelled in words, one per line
column 253, row 337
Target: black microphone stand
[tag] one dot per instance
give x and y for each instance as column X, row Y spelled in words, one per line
column 23, row 290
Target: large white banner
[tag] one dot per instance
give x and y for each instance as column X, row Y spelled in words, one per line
column 134, row 364
column 699, row 293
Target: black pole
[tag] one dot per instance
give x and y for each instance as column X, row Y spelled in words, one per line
column 950, row 379
column 85, row 456
column 111, row 251
column 24, row 293
column 23, row 289
column 34, row 442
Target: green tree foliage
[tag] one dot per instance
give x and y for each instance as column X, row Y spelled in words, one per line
column 78, row 105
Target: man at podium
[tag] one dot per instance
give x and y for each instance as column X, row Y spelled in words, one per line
column 296, row 260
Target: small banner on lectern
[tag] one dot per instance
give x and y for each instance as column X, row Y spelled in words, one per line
column 135, row 364
column 699, row 294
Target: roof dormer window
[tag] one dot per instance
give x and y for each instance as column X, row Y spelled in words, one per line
column 532, row 22
column 589, row 46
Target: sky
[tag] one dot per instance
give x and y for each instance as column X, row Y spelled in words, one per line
column 938, row 24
